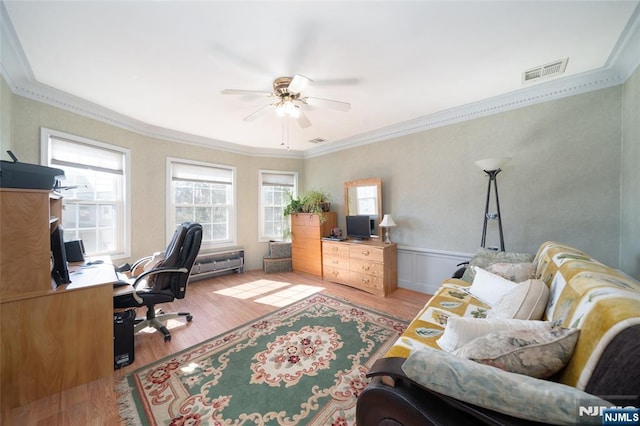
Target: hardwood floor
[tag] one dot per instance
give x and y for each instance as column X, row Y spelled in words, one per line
column 217, row 304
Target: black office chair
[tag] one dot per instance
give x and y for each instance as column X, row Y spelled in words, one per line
column 165, row 281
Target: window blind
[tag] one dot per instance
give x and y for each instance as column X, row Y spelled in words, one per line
column 79, row 155
column 194, row 172
column 278, row 179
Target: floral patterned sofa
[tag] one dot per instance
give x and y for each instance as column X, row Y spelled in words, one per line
column 558, row 338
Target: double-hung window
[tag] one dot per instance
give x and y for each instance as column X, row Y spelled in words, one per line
column 276, row 190
column 204, row 193
column 95, row 191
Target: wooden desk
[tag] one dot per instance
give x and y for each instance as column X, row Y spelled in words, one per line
column 53, row 340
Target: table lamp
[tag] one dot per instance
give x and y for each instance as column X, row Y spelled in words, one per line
column 387, row 222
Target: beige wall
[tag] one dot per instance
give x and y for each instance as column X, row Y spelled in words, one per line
column 562, row 184
column 630, row 180
column 148, row 164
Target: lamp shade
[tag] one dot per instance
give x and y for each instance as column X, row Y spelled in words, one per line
column 490, row 164
column 387, row 221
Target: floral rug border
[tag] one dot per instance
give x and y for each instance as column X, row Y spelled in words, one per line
column 129, row 401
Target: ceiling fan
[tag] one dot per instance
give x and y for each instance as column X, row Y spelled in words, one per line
column 288, row 94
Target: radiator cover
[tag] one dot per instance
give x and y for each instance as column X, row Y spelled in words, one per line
column 210, row 264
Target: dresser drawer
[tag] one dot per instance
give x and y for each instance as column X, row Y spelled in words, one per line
column 366, row 252
column 305, row 219
column 307, row 254
column 335, row 261
column 338, row 249
column 367, row 267
column 310, row 266
column 334, row 274
column 298, row 231
column 307, row 244
column 370, row 283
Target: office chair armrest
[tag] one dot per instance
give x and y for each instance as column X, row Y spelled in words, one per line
column 155, row 271
column 140, row 262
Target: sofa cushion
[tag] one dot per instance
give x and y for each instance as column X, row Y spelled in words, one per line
column 535, row 353
column 485, row 257
column 489, row 387
column 516, row 272
column 489, row 287
column 526, row 301
column 451, row 300
column 461, row 330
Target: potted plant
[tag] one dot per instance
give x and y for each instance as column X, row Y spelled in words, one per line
column 294, row 206
column 316, row 201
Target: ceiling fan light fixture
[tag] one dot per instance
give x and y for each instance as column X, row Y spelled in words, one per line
column 287, row 108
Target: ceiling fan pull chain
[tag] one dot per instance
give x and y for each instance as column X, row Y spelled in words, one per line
column 288, row 119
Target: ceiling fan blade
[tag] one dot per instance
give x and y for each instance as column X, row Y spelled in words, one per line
column 244, row 92
column 329, row 103
column 298, row 83
column 302, row 119
column 259, row 112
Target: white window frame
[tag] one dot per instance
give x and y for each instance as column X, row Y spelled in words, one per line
column 262, row 237
column 171, row 217
column 124, row 223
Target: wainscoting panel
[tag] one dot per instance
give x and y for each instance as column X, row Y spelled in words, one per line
column 423, row 270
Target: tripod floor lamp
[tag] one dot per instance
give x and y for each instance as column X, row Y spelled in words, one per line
column 492, row 166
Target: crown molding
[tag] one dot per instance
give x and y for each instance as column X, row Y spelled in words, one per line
column 16, row 71
column 542, row 92
column 623, row 61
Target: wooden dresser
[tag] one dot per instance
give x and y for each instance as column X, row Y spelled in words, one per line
column 306, row 243
column 370, row 265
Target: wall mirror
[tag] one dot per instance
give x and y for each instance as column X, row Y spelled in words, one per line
column 364, row 197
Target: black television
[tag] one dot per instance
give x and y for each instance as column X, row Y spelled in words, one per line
column 60, row 271
column 358, row 227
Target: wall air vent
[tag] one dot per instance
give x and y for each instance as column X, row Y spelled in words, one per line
column 545, row 71
column 317, row 140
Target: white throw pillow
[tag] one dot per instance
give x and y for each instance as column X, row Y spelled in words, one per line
column 461, row 330
column 526, row 301
column 488, row 287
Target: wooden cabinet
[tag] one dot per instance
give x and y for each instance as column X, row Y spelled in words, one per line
column 368, row 265
column 306, row 244
column 52, row 338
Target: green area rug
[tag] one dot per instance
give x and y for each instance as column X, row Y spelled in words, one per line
column 303, row 364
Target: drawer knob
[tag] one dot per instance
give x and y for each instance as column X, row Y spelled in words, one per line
column 335, row 262
column 334, row 248
column 365, row 252
column 365, row 280
column 365, row 267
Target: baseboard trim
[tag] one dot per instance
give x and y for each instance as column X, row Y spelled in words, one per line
column 423, row 269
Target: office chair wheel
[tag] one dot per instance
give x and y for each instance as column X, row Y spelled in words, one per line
column 167, row 338
column 189, row 318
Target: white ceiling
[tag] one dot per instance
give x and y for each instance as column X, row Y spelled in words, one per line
column 162, row 64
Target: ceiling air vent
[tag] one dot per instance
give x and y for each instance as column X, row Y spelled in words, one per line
column 317, row 140
column 545, row 71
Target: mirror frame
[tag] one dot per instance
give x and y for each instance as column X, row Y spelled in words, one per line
column 377, row 182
